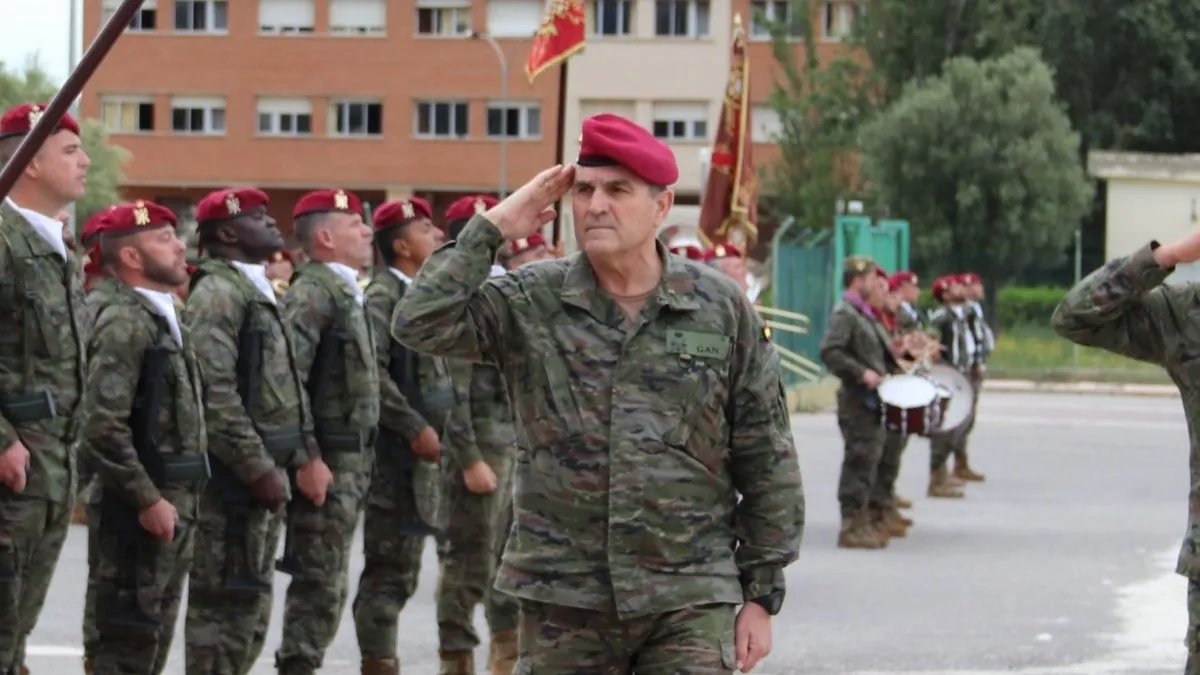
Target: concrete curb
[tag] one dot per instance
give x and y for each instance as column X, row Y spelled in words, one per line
column 1100, row 388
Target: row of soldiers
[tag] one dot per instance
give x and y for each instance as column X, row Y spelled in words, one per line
column 253, row 412
column 876, row 331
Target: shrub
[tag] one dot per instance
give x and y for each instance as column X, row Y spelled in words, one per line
column 1017, row 306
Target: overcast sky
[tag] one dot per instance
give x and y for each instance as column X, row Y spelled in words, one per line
column 36, row 27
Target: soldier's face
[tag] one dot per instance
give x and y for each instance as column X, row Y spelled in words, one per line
column 257, row 234
column 350, row 239
column 161, row 257
column 419, row 239
column 910, row 292
column 975, row 291
column 526, row 257
column 615, row 212
column 60, row 167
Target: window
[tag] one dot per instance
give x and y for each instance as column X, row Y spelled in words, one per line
column 681, row 18
column 610, row 17
column 765, row 125
column 839, row 19
column 513, row 18
column 443, row 17
column 284, row 117
column 681, row 121
column 356, row 118
column 441, row 119
column 145, row 19
column 514, row 120
column 127, row 114
column 285, row 17
column 764, row 13
column 201, row 16
column 198, row 115
column 358, row 17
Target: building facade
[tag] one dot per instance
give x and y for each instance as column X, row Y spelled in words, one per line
column 392, row 98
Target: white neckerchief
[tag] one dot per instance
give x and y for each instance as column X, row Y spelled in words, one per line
column 164, row 304
column 257, row 275
column 753, row 287
column 401, row 276
column 350, row 276
column 498, row 271
column 912, row 311
column 47, row 228
column 961, row 312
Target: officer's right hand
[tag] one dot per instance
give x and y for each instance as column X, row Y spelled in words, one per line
column 159, row 520
column 314, row 479
column 270, row 490
column 870, row 379
column 532, row 206
column 427, row 445
column 480, row 478
column 14, row 462
column 1185, row 250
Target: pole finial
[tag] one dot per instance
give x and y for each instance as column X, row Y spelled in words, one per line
column 737, row 20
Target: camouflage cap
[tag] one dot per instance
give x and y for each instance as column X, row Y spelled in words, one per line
column 858, row 264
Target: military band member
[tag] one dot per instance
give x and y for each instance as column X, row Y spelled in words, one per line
column 415, row 399
column 984, row 342
column 906, row 287
column 335, row 353
column 258, row 425
column 1125, row 308
column 958, row 351
column 624, row 553
column 884, row 502
column 43, row 338
column 144, row 430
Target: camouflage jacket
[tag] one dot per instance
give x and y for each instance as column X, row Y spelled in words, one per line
column 127, row 325
column 854, row 343
column 43, row 338
column 483, row 428
column 222, row 306
column 636, row 437
column 1125, row 308
column 320, row 304
column 949, row 323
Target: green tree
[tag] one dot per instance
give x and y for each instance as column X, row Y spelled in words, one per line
column 986, row 162
column 32, row 84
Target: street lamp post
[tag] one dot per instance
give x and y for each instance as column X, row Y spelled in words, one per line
column 503, row 106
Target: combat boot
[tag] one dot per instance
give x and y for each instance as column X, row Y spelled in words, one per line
column 941, row 487
column 503, row 657
column 857, row 533
column 89, row 665
column 457, row 663
column 79, row 514
column 886, row 525
column 896, row 524
column 380, row 667
column 23, row 670
column 893, row 512
column 962, row 469
column 901, row 503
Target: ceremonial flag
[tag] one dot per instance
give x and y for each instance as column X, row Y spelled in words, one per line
column 729, row 212
column 560, row 37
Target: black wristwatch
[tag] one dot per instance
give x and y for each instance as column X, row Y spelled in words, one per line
column 772, row 602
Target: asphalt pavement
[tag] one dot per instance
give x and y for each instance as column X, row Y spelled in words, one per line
column 1060, row 564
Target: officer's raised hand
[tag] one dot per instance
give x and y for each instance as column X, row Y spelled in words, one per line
column 532, row 206
column 1185, row 250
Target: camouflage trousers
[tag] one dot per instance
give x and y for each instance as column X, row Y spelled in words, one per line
column 391, row 566
column 941, row 446
column 571, row 641
column 127, row 643
column 91, row 634
column 32, row 532
column 883, row 490
column 502, row 610
column 1192, row 641
column 468, row 559
column 321, row 539
column 226, row 626
column 863, row 439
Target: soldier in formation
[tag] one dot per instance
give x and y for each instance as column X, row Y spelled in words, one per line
column 960, row 350
column 615, row 569
column 144, row 431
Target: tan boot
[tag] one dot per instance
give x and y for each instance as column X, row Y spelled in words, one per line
column 901, row 503
column 503, row 657
column 857, row 533
column 23, row 670
column 457, row 663
column 380, row 667
column 79, row 515
column 88, row 665
column 887, row 525
column 962, row 469
column 940, row 486
column 895, row 514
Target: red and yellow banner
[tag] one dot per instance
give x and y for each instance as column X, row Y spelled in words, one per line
column 729, row 213
column 561, row 36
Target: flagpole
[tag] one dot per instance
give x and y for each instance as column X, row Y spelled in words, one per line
column 560, row 143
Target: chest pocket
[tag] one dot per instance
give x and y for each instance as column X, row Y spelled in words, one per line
column 35, row 294
column 545, row 399
column 692, row 379
column 259, row 359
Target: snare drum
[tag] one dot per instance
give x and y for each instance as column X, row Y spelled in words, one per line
column 909, row 404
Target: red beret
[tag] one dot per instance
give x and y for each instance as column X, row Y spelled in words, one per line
column 900, row 278
column 94, row 224
column 140, row 215
column 19, row 121
column 943, row 284
column 469, row 206
column 392, row 214
column 528, row 243
column 880, row 273
column 967, row 278
column 722, row 251
column 688, row 251
column 281, row 255
column 609, row 140
column 228, row 203
column 192, row 269
column 325, row 201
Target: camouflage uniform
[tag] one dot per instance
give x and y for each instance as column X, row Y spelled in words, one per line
column 625, row 518
column 949, row 322
column 855, row 342
column 229, row 594
column 139, row 580
column 42, row 355
column 1125, row 308
column 392, row 545
column 322, row 303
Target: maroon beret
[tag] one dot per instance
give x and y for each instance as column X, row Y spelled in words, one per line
column 95, row 224
column 968, row 278
column 19, row 121
column 396, row 213
column 900, row 278
column 520, row 246
column 609, row 140
column 469, row 206
column 140, row 215
column 228, row 203
column 943, row 284
column 325, row 201
column 722, row 251
column 688, row 251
